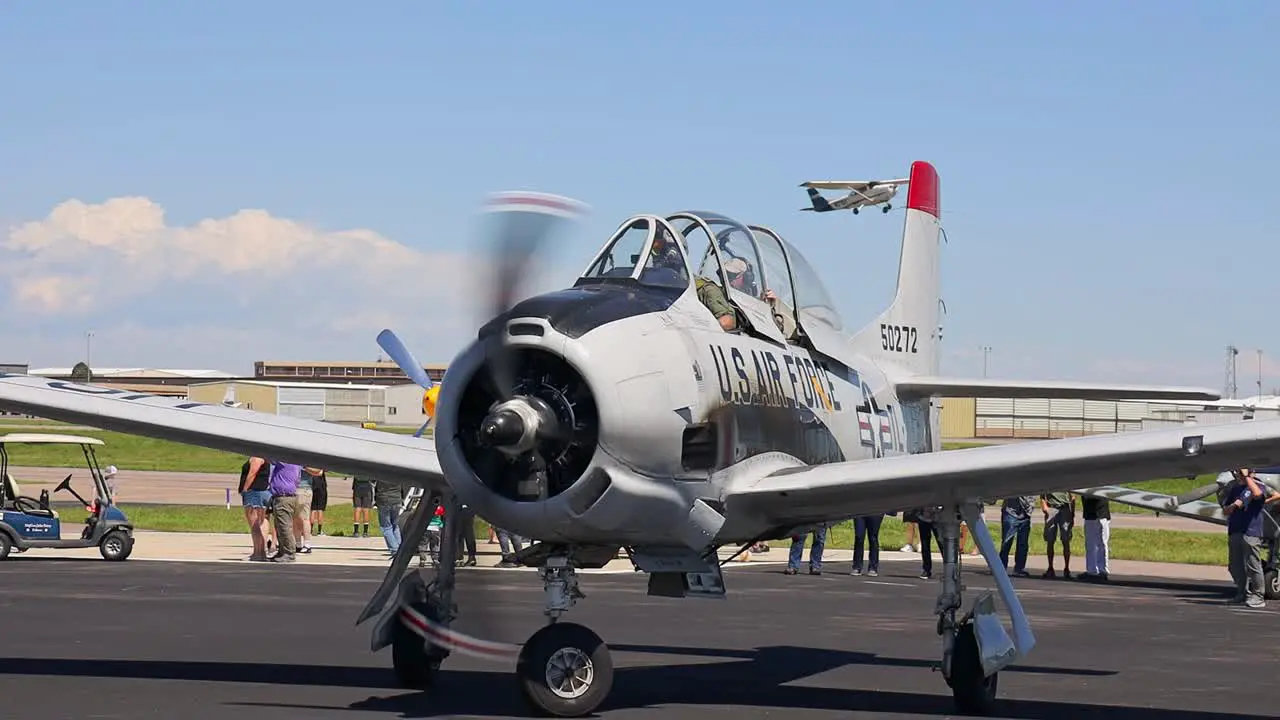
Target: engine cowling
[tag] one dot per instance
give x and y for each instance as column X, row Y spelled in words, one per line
column 579, row 447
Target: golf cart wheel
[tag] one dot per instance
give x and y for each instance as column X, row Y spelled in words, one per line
column 6, row 544
column 116, row 545
column 1271, row 584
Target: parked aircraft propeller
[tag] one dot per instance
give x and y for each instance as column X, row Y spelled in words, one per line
column 408, row 364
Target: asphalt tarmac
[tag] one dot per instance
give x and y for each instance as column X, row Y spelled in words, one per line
column 197, row 641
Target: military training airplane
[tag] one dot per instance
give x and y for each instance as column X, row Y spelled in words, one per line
column 1192, row 505
column 862, row 193
column 694, row 389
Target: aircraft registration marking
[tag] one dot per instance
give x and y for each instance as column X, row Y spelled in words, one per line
column 898, row 338
column 793, row 381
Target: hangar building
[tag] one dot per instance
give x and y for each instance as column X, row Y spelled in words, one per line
column 338, row 403
column 1044, row 418
column 404, row 406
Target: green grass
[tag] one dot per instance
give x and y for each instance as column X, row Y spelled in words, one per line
column 1126, row 544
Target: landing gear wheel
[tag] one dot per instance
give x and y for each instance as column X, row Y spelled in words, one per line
column 5, row 545
column 565, row 670
column 1270, row 585
column 973, row 693
column 116, row 545
column 415, row 662
column 886, row 209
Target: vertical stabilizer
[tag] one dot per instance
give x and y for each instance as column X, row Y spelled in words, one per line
column 907, row 335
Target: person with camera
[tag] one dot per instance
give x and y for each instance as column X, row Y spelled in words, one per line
column 1243, row 503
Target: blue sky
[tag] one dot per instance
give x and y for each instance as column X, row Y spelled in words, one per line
column 1106, row 167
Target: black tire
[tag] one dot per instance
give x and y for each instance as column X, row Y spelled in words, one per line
column 559, row 695
column 6, row 544
column 116, row 546
column 1271, row 585
column 973, row 693
column 416, row 665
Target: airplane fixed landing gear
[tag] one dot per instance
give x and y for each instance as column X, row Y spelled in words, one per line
column 565, row 669
column 887, row 207
column 972, row 687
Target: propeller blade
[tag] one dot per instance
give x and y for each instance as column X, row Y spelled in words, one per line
column 408, row 364
column 422, row 429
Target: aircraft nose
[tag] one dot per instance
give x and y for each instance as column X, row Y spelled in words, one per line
column 502, row 428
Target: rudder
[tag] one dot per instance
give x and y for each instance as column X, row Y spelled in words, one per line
column 907, row 333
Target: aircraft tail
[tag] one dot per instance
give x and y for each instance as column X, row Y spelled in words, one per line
column 820, row 203
column 908, row 333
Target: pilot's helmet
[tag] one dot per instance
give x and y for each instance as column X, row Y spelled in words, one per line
column 736, row 269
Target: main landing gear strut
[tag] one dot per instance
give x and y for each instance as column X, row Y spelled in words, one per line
column 564, row 669
column 975, row 647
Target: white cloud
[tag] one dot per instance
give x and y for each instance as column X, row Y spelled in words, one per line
column 294, row 288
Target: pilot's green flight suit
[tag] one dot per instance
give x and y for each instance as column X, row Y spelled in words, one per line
column 713, row 297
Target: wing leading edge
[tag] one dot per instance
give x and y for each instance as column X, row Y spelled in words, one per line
column 993, row 388
column 823, row 493
column 309, row 442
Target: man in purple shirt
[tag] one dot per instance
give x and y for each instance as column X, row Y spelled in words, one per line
column 1243, row 507
column 283, row 487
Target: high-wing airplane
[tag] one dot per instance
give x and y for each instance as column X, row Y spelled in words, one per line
column 1192, row 505
column 661, row 404
column 862, row 193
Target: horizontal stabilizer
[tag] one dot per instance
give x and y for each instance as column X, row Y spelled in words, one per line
column 1054, row 389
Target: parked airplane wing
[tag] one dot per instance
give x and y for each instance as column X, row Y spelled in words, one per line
column 841, row 490
column 308, row 442
column 1166, row 504
column 983, row 387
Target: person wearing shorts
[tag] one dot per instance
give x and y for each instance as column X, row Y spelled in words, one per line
column 255, row 498
column 361, row 501
column 1059, row 516
column 319, row 499
column 302, row 513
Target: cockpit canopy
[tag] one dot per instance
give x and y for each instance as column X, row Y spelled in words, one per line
column 763, row 276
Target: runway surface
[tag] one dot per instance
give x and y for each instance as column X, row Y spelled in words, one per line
column 92, row 639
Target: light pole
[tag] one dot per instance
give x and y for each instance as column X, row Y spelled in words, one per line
column 1259, row 372
column 986, row 350
column 88, row 354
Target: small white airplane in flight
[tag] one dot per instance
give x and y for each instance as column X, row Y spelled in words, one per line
column 862, row 193
column 695, row 389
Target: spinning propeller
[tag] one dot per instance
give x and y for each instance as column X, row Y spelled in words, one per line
column 515, row 426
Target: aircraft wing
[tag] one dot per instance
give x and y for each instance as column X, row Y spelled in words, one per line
column 825, row 493
column 983, row 387
column 318, row 444
column 1167, row 504
column 850, row 184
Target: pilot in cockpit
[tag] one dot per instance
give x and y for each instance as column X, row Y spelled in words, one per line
column 742, row 279
column 667, row 254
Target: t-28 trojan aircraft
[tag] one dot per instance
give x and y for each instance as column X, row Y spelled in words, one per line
column 694, row 389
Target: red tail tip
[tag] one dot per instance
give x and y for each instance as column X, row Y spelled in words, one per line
column 922, row 192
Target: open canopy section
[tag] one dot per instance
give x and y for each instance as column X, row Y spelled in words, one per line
column 812, row 303
column 728, row 255
column 642, row 250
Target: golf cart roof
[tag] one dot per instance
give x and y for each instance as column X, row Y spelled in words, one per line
column 48, row 439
